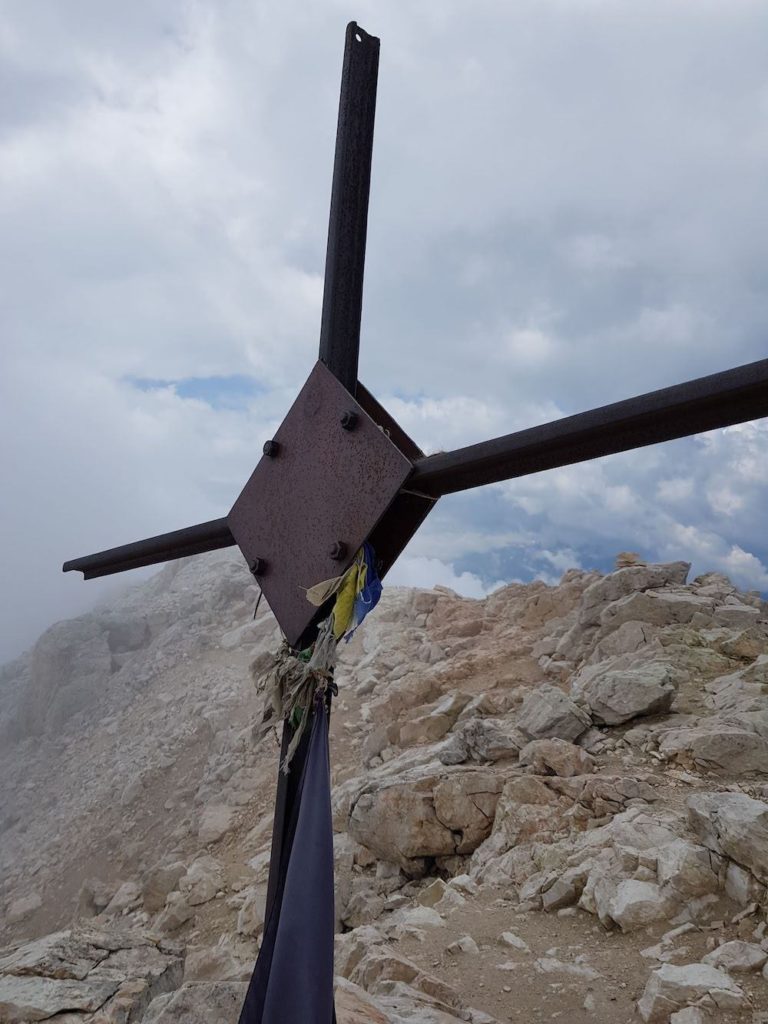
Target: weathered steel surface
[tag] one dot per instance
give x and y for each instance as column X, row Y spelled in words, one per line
column 348, row 220
column 326, row 485
column 193, row 540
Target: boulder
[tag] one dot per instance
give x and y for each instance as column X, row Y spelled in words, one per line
column 548, row 712
column 86, row 969
column 464, row 944
column 716, row 746
column 617, row 695
column 159, row 881
column 175, row 913
column 484, row 739
column 199, row 1002
column 657, row 607
column 737, row 956
column 23, row 907
column 628, row 580
column 636, row 904
column 127, row 897
column 250, row 919
column 671, row 988
column 203, row 879
column 215, row 821
column 556, row 757
column 687, row 870
column 425, row 814
column 24, row 999
column 426, row 725
column 735, row 825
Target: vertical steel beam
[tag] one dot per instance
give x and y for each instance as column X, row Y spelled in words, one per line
column 345, row 257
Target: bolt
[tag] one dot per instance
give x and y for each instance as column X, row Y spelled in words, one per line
column 339, row 551
column 271, row 449
column 349, row 420
column 258, row 567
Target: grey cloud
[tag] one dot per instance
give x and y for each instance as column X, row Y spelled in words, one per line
column 566, row 210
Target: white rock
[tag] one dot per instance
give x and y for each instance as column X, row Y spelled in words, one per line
column 737, row 956
column 548, row 712
column 686, row 868
column 735, row 825
column 558, row 757
column 637, row 904
column 250, row 920
column 215, row 821
column 671, row 988
column 617, row 695
column 690, row 1015
column 465, row 944
column 23, row 908
column 203, row 879
column 510, row 939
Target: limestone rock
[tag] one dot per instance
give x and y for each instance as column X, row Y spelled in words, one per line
column 85, row 969
column 628, row 580
column 429, row 724
column 355, row 1006
column 425, row 815
column 687, row 869
column 671, row 988
column 215, row 821
column 617, row 695
column 735, row 825
column 159, row 881
column 717, row 747
column 199, row 1003
column 23, row 907
column 556, row 757
column 636, row 904
column 484, row 739
column 250, row 920
column 514, row 941
column 737, row 956
column 24, row 999
column 690, row 1015
column 93, row 897
column 464, row 944
column 127, row 897
column 547, row 712
column 176, row 913
column 203, row 879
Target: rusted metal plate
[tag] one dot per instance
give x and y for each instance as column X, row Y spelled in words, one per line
column 324, row 486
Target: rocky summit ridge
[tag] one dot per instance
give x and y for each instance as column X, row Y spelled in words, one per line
column 550, row 803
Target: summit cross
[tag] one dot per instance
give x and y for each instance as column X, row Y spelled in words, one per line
column 340, row 472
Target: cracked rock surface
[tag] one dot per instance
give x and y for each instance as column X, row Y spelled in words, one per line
column 548, row 804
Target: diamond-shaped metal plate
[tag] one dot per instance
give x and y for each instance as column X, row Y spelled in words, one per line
column 325, row 485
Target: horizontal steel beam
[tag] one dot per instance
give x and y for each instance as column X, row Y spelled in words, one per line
column 193, row 540
column 719, row 400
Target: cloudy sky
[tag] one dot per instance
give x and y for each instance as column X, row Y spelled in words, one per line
column 568, row 207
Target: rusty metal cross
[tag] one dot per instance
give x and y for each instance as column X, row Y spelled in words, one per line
column 340, row 470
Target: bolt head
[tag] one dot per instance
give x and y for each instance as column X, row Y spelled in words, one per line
column 258, row 566
column 349, row 420
column 271, row 449
column 338, row 551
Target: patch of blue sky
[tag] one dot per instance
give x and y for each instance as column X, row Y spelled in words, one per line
column 220, row 392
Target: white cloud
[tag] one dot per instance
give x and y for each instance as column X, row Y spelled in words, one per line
column 417, row 571
column 551, row 228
